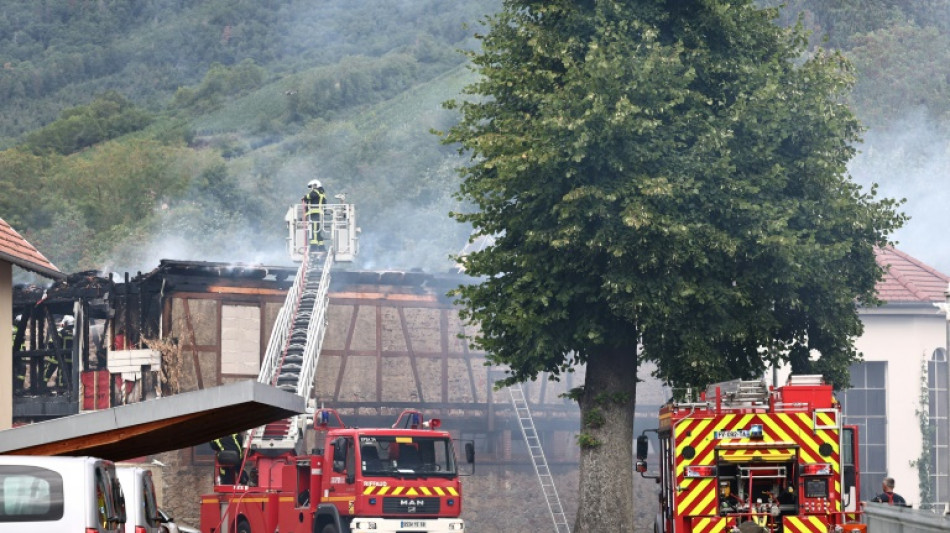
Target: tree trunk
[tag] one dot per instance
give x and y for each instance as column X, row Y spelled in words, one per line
column 606, row 440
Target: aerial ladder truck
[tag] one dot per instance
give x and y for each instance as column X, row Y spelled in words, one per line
column 398, row 479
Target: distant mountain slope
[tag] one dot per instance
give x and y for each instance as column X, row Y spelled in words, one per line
column 56, row 55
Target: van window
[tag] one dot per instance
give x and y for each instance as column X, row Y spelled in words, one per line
column 30, row 494
column 107, row 506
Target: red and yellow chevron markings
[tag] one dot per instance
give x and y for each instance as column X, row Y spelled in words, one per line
column 804, row 524
column 410, row 491
column 784, row 434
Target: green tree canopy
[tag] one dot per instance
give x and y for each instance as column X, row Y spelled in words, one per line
column 109, row 116
column 668, row 175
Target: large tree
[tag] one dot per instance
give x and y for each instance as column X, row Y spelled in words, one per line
column 664, row 181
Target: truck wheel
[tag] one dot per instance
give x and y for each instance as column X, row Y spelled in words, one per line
column 329, row 528
column 243, row 527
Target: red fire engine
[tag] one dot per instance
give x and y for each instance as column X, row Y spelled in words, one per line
column 403, row 478
column 746, row 453
column 357, row 480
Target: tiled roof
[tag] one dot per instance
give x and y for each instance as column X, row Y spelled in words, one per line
column 908, row 280
column 15, row 249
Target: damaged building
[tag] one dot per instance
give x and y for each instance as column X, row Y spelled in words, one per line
column 394, row 340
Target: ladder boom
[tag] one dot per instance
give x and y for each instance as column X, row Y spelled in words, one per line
column 294, row 347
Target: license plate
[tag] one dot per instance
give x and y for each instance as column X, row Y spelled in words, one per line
column 416, row 523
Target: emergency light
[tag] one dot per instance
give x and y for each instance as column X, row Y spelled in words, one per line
column 414, row 420
column 324, row 418
column 816, row 469
column 701, row 471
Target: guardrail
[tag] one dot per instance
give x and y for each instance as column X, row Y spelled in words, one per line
column 884, row 518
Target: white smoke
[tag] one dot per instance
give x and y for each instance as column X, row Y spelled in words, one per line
column 911, row 160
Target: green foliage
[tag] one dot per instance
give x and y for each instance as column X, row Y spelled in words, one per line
column 219, row 83
column 674, row 178
column 594, row 419
column 247, row 73
column 900, row 69
column 54, row 55
column 588, row 441
column 107, row 117
column 23, row 180
column 924, row 461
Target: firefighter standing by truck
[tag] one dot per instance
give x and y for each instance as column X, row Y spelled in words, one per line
column 229, row 451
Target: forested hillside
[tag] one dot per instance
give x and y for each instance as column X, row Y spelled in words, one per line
column 133, row 131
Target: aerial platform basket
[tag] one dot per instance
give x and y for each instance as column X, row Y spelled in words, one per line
column 338, row 223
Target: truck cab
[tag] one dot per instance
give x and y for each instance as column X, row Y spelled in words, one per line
column 393, row 480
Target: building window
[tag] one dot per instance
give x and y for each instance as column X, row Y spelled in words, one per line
column 865, row 406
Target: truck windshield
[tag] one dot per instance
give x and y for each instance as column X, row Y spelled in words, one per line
column 386, row 455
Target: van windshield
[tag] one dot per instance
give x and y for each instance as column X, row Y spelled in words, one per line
column 30, row 494
column 388, row 455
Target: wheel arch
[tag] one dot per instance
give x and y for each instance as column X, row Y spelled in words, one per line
column 328, row 514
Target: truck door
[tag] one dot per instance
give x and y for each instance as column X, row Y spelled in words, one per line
column 342, row 489
column 850, row 468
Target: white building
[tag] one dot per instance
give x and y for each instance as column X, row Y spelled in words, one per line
column 904, row 373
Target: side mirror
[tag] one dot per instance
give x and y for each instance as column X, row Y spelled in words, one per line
column 470, row 453
column 643, row 447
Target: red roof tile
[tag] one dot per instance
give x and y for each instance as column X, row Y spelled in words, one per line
column 909, row 280
column 15, row 249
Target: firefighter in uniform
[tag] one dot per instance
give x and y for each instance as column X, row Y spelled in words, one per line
column 228, row 468
column 314, row 202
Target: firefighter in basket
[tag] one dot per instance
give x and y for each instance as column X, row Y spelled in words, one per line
column 314, row 202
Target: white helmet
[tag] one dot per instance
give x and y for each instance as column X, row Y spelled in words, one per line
column 314, row 184
column 68, row 321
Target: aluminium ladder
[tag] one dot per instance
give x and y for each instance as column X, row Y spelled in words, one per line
column 530, row 434
column 294, row 347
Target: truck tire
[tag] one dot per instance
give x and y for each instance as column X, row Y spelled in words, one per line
column 243, row 527
column 329, row 528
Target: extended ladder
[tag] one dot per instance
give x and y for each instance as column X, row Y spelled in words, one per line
column 294, row 347
column 530, row 434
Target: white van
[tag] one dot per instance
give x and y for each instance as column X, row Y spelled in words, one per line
column 64, row 494
column 141, row 505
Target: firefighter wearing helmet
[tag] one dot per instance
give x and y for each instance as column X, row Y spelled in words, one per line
column 314, row 201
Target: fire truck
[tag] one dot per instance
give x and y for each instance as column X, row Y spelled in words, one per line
column 748, row 457
column 358, row 480
column 379, row 480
